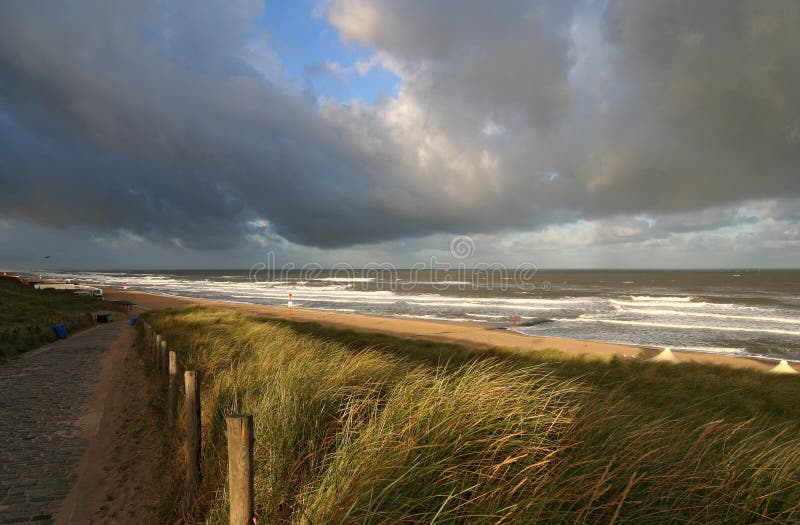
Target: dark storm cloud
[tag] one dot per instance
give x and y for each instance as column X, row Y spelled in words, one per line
column 143, row 118
column 714, row 95
column 157, row 118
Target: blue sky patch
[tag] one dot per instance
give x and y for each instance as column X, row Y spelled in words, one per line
column 311, row 50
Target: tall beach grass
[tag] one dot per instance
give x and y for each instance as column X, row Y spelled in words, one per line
column 350, row 430
column 27, row 316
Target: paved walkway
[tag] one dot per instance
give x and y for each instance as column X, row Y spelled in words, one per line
column 43, row 395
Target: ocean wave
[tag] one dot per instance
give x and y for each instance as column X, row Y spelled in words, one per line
column 495, row 301
column 661, row 298
column 429, row 317
column 536, row 321
column 486, row 305
column 764, row 319
column 664, row 304
column 345, row 279
column 682, row 326
column 435, row 283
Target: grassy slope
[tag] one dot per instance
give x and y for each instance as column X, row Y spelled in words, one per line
column 366, row 428
column 27, row 316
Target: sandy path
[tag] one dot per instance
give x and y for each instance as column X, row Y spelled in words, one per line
column 117, row 471
column 474, row 335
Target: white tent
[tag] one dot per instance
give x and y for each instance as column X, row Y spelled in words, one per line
column 783, row 368
column 665, row 357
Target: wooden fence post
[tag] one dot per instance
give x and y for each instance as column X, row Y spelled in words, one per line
column 240, row 468
column 173, row 388
column 164, row 355
column 156, row 350
column 191, row 380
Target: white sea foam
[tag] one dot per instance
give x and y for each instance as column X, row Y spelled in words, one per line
column 346, row 279
column 494, row 301
column 683, row 326
column 436, row 283
column 764, row 319
column 487, row 305
column 663, row 304
column 432, row 317
column 662, row 298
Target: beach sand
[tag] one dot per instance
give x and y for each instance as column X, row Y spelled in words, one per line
column 473, row 335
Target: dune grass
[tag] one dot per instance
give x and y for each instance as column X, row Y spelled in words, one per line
column 27, row 316
column 362, row 428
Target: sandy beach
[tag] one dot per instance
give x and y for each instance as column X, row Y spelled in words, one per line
column 474, row 335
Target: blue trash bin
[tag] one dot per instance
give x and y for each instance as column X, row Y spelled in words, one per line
column 61, row 331
column 133, row 321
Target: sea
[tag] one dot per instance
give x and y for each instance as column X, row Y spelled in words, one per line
column 735, row 312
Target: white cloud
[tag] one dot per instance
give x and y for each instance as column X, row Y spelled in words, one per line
column 492, row 129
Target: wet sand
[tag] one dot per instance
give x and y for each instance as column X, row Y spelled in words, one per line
column 474, row 335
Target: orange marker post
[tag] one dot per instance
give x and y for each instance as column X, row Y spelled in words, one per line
column 290, row 305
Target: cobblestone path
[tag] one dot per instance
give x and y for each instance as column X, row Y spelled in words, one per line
column 43, row 394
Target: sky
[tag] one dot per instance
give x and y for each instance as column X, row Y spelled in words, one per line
column 556, row 133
